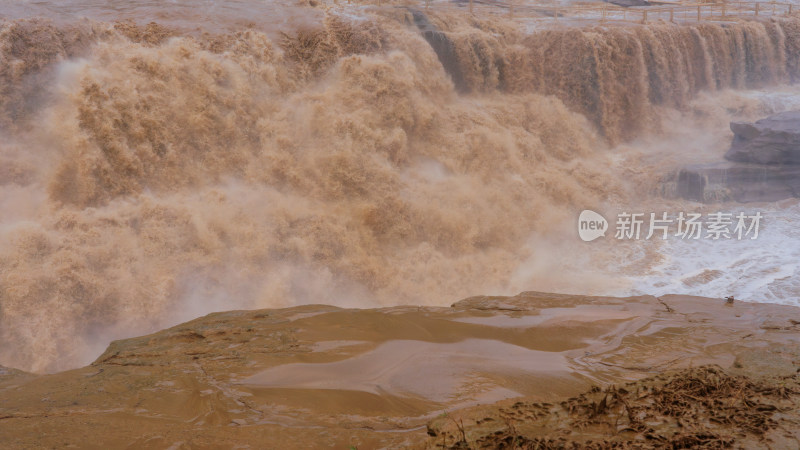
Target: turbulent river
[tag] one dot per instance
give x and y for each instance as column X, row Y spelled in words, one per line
column 163, row 160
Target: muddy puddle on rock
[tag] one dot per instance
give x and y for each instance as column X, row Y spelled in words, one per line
column 444, row 373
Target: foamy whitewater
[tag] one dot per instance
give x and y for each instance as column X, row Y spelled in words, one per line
column 760, row 270
column 160, row 163
column 764, row 269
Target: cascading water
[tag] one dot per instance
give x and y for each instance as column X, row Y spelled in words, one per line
column 154, row 173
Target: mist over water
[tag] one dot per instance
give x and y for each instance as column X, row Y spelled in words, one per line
column 760, row 270
column 152, row 173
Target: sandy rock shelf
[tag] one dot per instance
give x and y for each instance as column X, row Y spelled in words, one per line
column 321, row 376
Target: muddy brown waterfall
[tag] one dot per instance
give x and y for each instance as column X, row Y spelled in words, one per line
column 154, row 173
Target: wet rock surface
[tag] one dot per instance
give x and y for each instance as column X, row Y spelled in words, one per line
column 320, row 376
column 443, row 47
column 741, row 182
column 763, row 165
column 772, row 140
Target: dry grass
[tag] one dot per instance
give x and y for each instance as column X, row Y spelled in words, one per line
column 694, row 408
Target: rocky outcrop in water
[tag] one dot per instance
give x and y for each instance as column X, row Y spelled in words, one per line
column 773, row 140
column 763, row 164
column 741, row 182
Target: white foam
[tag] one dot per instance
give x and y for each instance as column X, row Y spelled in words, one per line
column 762, row 270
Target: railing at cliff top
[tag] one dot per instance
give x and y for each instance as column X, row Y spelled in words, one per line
column 603, row 13
column 606, row 12
column 725, row 11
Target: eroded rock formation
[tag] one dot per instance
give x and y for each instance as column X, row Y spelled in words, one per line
column 773, row 140
column 763, row 164
column 320, row 376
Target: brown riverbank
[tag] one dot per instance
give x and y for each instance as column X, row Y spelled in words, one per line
column 705, row 407
column 320, row 376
